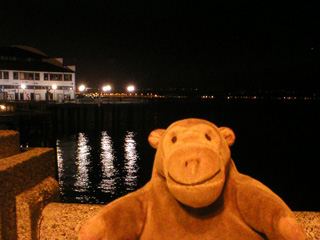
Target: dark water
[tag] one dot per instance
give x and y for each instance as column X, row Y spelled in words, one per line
column 277, row 143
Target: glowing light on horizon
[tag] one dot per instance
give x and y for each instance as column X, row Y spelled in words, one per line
column 82, row 88
column 130, row 88
column 106, row 88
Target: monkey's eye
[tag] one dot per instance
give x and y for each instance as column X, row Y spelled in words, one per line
column 174, row 139
column 208, row 137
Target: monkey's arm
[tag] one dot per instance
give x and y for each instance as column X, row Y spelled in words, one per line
column 266, row 212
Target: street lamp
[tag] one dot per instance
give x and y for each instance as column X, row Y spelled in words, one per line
column 23, row 86
column 130, row 88
column 82, row 88
column 54, row 87
column 106, row 88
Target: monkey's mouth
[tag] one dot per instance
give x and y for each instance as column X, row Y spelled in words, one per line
column 195, row 183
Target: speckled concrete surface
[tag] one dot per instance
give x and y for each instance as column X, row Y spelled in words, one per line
column 9, row 143
column 63, row 221
column 25, row 170
column 310, row 221
column 29, row 206
column 19, row 173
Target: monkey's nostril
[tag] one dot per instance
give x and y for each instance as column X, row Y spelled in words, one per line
column 193, row 162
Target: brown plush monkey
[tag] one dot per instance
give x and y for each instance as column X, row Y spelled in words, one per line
column 195, row 192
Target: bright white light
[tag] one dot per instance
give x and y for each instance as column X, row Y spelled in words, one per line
column 3, row 107
column 130, row 88
column 60, row 161
column 23, row 86
column 82, row 161
column 54, row 87
column 82, row 88
column 106, row 88
column 130, row 163
column 109, row 170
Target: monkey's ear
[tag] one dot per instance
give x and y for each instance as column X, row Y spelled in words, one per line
column 154, row 137
column 228, row 135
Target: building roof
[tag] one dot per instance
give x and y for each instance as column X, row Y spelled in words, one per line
column 32, row 66
column 23, row 58
column 21, row 52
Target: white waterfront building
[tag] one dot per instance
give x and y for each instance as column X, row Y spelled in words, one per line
column 28, row 74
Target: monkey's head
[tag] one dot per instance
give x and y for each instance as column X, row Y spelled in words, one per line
column 192, row 155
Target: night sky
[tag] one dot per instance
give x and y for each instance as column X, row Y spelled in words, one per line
column 174, row 44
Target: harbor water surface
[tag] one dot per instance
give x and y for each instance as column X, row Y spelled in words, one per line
column 101, row 160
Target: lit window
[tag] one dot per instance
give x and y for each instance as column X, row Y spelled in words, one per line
column 55, row 77
column 15, row 75
column 26, row 76
column 5, row 75
column 67, row 77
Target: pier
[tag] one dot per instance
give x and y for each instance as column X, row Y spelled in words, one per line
column 44, row 118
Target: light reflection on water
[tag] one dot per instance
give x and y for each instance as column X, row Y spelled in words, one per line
column 109, row 171
column 130, row 165
column 82, row 161
column 60, row 162
column 89, row 168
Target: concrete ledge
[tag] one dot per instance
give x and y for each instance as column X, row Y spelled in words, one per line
column 25, row 170
column 19, row 173
column 9, row 142
column 30, row 204
column 63, row 221
column 310, row 221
